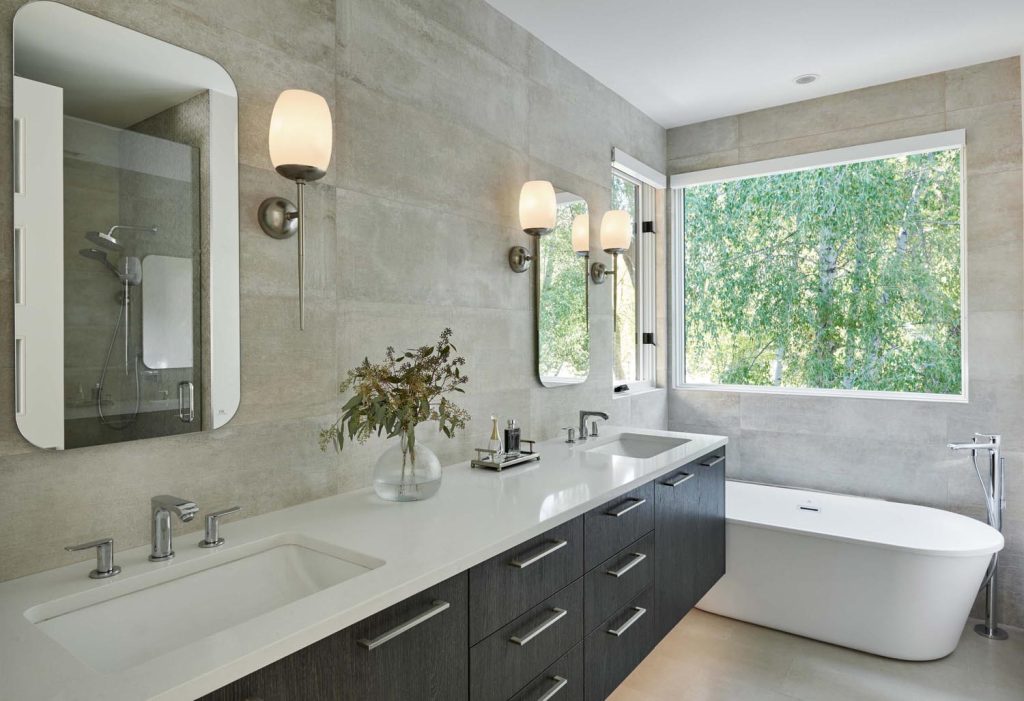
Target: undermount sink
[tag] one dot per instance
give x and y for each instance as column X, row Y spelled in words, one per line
column 637, row 445
column 132, row 625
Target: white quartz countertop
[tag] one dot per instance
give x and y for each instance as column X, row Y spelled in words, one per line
column 476, row 514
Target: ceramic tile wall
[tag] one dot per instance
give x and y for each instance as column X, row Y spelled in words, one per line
column 442, row 110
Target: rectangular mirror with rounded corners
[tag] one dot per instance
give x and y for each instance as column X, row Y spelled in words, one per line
column 125, row 233
column 563, row 333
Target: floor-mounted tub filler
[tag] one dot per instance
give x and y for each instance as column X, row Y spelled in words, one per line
column 896, row 580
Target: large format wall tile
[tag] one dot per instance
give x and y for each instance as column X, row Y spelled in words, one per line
column 442, row 110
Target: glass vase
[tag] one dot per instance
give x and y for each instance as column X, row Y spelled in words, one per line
column 407, row 471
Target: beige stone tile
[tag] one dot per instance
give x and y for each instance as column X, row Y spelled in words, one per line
column 704, row 161
column 402, row 153
column 428, row 65
column 993, row 136
column 708, row 657
column 702, row 138
column 306, row 31
column 482, row 24
column 994, row 342
column 994, row 213
column 704, row 407
column 996, row 277
column 912, row 126
column 874, row 105
column 983, row 84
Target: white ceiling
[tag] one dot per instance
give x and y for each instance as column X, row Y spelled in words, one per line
column 686, row 61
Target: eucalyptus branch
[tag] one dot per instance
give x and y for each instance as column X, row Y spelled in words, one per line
column 391, row 398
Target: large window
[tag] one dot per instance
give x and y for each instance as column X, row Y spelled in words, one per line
column 633, row 296
column 844, row 276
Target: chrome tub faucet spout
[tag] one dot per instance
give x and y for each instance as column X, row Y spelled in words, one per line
column 163, row 506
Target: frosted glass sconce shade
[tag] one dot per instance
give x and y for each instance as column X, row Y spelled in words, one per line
column 537, row 207
column 616, row 231
column 301, row 135
column 581, row 234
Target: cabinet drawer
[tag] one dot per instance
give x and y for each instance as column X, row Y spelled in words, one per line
column 414, row 650
column 504, row 662
column 618, row 645
column 611, row 585
column 562, row 681
column 611, row 527
column 419, row 653
column 512, row 583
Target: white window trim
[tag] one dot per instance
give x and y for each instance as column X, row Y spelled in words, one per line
column 645, row 279
column 883, row 149
column 637, row 169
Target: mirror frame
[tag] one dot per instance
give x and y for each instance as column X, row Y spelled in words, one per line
column 584, row 277
column 74, row 30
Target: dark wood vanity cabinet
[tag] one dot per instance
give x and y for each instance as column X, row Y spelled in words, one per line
column 689, row 537
column 565, row 616
column 417, row 650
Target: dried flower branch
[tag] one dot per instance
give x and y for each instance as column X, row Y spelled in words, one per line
column 405, row 390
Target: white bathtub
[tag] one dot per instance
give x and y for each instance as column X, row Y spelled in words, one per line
column 892, row 579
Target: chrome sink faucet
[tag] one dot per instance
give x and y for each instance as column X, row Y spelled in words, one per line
column 583, row 422
column 162, row 507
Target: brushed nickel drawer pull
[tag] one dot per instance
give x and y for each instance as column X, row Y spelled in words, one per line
column 560, row 683
column 622, row 512
column 559, row 615
column 554, row 546
column 680, row 478
column 436, row 607
column 639, row 613
column 713, row 462
column 637, row 559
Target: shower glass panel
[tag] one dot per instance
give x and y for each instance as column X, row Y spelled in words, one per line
column 132, row 281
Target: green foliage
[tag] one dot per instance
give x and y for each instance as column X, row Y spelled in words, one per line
column 836, row 278
column 563, row 337
column 405, row 390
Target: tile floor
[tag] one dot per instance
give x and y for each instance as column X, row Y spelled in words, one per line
column 710, row 658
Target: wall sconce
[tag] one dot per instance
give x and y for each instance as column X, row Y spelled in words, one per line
column 581, row 235
column 301, row 137
column 537, row 211
column 616, row 238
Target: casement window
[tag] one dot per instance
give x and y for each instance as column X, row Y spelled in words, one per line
column 839, row 272
column 633, row 295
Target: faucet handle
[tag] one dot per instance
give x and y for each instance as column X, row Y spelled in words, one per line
column 212, row 537
column 105, row 566
column 593, row 428
column 571, row 435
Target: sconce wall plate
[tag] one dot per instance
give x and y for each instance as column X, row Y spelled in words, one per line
column 278, row 217
column 598, row 273
column 519, row 259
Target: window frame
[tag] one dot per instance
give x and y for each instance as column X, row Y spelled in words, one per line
column 809, row 161
column 644, row 274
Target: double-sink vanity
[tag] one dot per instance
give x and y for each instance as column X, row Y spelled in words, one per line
column 548, row 581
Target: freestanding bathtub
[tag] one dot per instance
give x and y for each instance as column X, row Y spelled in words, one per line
column 892, row 579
